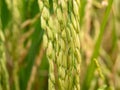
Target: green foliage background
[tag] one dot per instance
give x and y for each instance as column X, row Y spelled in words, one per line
column 100, row 44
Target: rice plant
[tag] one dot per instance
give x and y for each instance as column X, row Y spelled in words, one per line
column 59, row 45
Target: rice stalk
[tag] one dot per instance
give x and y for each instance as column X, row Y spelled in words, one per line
column 13, row 37
column 62, row 42
column 4, row 82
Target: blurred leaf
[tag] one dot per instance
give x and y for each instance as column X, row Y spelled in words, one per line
column 82, row 10
column 91, row 68
column 43, row 74
column 29, row 60
column 5, row 13
column 34, row 49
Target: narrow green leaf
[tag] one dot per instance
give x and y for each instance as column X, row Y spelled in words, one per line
column 91, row 67
column 4, row 13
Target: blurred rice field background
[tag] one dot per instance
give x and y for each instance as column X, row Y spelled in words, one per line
column 23, row 61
